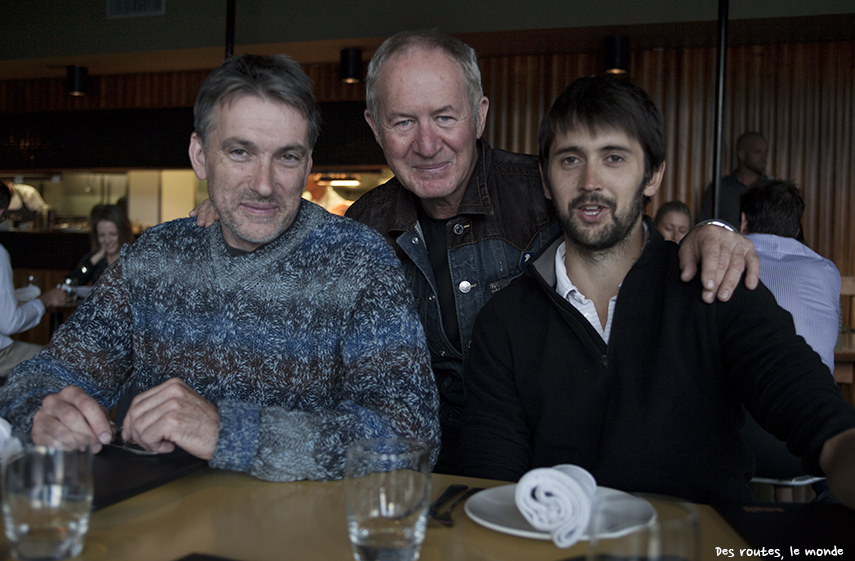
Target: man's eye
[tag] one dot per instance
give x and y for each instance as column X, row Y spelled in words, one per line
column 404, row 123
column 238, row 152
column 614, row 159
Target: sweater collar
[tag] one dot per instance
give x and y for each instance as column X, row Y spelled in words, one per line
column 309, row 216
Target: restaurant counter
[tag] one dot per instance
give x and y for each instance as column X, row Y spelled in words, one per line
column 238, row 517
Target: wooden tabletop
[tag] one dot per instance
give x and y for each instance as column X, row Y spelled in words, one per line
column 242, row 518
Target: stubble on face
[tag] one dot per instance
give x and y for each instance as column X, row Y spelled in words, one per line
column 600, row 239
column 256, row 162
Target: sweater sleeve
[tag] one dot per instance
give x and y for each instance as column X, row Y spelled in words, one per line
column 91, row 350
column 496, row 442
column 385, row 388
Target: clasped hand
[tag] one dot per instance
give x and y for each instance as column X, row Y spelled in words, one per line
column 169, row 415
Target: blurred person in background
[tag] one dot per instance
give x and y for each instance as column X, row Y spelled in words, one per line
column 111, row 230
column 673, row 220
column 752, row 152
column 24, row 205
column 16, row 318
column 325, row 196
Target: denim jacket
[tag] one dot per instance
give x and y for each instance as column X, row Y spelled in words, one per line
column 503, row 219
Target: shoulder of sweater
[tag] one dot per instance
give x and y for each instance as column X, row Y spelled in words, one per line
column 169, row 230
column 353, row 239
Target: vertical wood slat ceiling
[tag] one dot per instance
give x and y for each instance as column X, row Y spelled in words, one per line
column 800, row 96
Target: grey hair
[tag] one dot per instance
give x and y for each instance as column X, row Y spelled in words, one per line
column 274, row 77
column 427, row 39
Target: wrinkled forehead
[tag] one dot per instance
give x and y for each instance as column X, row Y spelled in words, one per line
column 422, row 60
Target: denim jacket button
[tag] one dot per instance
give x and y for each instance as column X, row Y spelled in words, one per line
column 458, row 229
column 415, row 240
column 464, row 287
column 432, row 297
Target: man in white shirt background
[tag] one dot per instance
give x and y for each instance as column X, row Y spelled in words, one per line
column 805, row 284
column 15, row 318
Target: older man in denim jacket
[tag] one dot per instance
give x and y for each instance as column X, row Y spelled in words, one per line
column 462, row 216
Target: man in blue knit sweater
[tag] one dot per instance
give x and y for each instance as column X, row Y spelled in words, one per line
column 266, row 344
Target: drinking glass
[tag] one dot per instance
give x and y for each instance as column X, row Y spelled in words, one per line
column 387, row 491
column 621, row 531
column 47, row 497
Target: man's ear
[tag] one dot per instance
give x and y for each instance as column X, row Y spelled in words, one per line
column 197, row 157
column 655, row 181
column 370, row 120
column 544, row 183
column 483, row 107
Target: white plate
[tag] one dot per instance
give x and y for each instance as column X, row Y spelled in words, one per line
column 496, row 509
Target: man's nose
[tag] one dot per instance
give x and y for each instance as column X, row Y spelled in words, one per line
column 263, row 178
column 590, row 178
column 427, row 142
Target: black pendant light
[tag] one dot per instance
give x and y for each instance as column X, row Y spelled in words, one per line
column 351, row 65
column 76, row 80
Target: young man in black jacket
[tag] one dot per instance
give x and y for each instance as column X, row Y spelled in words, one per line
column 601, row 356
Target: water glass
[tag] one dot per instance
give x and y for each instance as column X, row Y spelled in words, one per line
column 387, row 492
column 47, row 497
column 620, row 531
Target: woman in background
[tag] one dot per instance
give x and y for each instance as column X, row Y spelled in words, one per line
column 673, row 220
column 111, row 229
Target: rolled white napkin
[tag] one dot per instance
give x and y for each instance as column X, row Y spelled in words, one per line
column 557, row 500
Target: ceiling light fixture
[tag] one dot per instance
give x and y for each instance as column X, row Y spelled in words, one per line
column 617, row 54
column 351, row 65
column 76, row 80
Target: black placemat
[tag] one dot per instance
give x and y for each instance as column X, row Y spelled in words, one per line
column 119, row 474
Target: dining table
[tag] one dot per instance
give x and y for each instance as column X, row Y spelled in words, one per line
column 237, row 517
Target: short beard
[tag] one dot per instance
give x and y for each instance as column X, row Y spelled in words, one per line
column 615, row 233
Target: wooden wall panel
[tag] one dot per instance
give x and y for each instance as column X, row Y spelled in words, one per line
column 800, row 96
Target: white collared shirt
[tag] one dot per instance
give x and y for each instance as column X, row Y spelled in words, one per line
column 565, row 287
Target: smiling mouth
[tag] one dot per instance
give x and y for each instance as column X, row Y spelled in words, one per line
column 432, row 168
column 259, row 209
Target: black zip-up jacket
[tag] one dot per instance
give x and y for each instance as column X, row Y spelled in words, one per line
column 658, row 408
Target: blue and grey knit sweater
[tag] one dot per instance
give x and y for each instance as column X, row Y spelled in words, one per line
column 304, row 345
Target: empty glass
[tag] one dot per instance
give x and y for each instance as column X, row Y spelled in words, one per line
column 47, row 497
column 622, row 531
column 387, row 492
